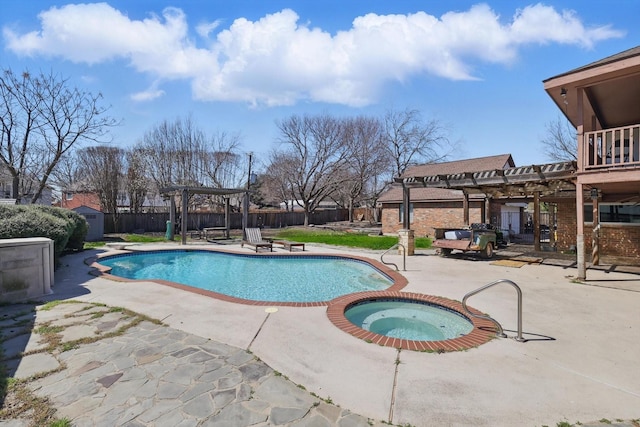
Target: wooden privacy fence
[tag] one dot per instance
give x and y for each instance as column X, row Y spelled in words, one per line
column 157, row 222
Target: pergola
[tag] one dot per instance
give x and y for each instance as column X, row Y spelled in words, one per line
column 524, row 182
column 184, row 191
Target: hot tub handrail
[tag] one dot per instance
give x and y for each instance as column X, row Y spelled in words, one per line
column 404, row 257
column 500, row 331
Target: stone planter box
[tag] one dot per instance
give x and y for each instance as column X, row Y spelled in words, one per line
column 26, row 268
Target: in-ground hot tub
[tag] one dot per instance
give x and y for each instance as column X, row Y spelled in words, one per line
column 409, row 321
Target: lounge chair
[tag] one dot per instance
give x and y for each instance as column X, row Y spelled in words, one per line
column 253, row 237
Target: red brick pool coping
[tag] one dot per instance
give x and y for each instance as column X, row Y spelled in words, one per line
column 399, row 281
column 483, row 330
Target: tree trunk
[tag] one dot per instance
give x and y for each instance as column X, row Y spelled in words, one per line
column 15, row 188
column 350, row 210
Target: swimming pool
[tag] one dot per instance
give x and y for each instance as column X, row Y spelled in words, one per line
column 277, row 278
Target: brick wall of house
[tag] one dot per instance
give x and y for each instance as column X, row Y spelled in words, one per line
column 567, row 224
column 429, row 216
column 616, row 241
column 621, row 241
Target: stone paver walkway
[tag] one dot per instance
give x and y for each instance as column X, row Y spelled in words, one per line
column 100, row 366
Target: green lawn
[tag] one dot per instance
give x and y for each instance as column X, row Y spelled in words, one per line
column 131, row 238
column 327, row 237
column 346, row 239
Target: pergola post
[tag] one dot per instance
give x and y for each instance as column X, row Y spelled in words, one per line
column 406, row 202
column 227, row 218
column 406, row 236
column 245, row 214
column 536, row 221
column 172, row 217
column 595, row 248
column 465, row 208
column 580, row 250
column 183, row 216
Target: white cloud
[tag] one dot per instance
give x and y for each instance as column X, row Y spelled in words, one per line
column 205, row 28
column 542, row 24
column 147, row 95
column 278, row 61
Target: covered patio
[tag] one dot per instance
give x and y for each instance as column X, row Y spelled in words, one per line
column 525, row 183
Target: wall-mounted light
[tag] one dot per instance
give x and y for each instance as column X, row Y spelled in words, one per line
column 563, row 93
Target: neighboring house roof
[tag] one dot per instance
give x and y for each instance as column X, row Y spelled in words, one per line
column 501, row 161
column 394, row 195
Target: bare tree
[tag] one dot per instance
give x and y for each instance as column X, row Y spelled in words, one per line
column 173, row 153
column 367, row 158
column 102, row 168
column 41, row 119
column 67, row 173
column 411, row 140
column 276, row 185
column 136, row 183
column 222, row 163
column 315, row 147
column 560, row 142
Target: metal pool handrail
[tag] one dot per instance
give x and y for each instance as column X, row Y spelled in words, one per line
column 404, row 257
column 500, row 332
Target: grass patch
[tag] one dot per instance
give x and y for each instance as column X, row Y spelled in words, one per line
column 353, row 240
column 51, row 304
column 130, row 238
column 46, row 329
column 143, row 238
column 93, row 245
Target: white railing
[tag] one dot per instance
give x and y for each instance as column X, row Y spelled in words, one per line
column 612, row 148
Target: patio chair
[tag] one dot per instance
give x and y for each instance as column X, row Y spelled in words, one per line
column 253, row 237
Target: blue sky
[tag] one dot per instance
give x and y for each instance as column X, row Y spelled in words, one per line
column 238, row 66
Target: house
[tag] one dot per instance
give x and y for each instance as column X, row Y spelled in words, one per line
column 601, row 101
column 6, row 190
column 76, row 199
column 596, row 197
column 431, row 208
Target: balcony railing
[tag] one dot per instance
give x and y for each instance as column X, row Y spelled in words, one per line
column 612, row 148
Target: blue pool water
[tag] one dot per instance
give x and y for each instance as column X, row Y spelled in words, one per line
column 258, row 278
column 409, row 320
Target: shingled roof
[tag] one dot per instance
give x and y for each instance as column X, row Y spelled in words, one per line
column 501, row 161
column 394, row 195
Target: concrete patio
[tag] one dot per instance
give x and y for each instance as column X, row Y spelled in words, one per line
column 580, row 361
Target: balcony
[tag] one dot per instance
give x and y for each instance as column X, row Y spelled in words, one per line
column 611, row 148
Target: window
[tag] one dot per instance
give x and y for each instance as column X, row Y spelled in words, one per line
column 614, row 213
column 588, row 212
column 619, row 213
column 401, row 210
column 69, row 195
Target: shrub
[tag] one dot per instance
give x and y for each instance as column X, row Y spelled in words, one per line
column 77, row 223
column 24, row 221
column 66, row 228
